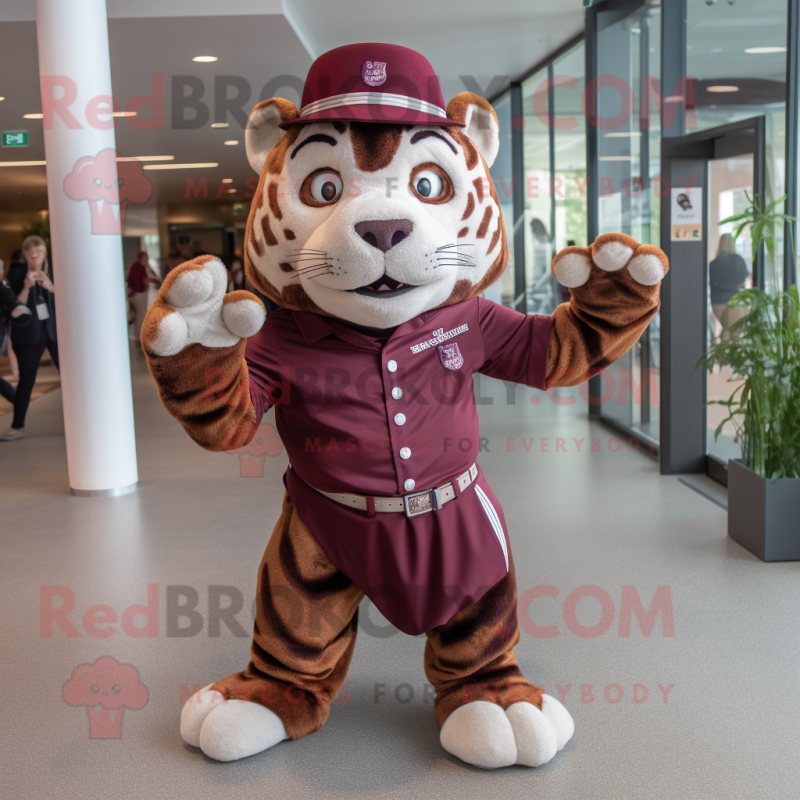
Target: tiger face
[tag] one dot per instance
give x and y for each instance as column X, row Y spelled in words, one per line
column 374, row 223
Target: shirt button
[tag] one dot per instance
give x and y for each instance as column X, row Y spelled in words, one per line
column 400, row 419
column 392, row 366
column 409, row 485
column 405, row 452
column 397, row 392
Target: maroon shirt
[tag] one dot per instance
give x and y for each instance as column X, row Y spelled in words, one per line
column 389, row 417
column 136, row 278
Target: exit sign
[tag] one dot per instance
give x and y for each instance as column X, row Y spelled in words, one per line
column 15, row 139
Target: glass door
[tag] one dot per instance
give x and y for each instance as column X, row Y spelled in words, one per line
column 730, row 269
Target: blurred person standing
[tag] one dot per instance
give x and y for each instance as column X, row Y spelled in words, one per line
column 727, row 274
column 16, row 258
column 137, row 281
column 10, row 308
column 32, row 284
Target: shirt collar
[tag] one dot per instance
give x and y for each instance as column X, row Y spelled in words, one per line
column 315, row 327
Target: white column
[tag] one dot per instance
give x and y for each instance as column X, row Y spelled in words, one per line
column 91, row 305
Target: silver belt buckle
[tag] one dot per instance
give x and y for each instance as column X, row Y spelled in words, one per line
column 422, row 502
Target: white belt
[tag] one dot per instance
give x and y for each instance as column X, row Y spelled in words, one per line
column 412, row 504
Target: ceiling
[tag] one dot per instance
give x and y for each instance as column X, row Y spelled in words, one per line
column 472, row 45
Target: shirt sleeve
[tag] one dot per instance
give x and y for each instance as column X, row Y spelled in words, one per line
column 515, row 344
column 263, row 358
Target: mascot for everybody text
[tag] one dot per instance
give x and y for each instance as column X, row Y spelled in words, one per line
column 376, row 226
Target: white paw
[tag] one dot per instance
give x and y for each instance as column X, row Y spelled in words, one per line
column 533, row 734
column 559, row 718
column 613, row 256
column 480, row 734
column 243, row 318
column 194, row 712
column 236, row 729
column 646, row 269
column 572, row 269
column 198, row 312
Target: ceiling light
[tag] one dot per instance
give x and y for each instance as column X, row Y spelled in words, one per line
column 204, row 59
column 227, row 180
column 219, row 124
column 207, row 165
column 231, row 191
column 758, row 50
column 232, row 141
column 615, row 158
column 123, row 113
column 22, row 163
column 1, row 99
column 33, row 116
column 145, row 158
column 623, row 134
column 722, row 89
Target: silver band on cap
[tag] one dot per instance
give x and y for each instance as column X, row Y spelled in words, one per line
column 373, row 99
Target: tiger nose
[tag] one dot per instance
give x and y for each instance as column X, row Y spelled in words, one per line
column 384, row 233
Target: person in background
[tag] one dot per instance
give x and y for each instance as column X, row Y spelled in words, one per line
column 16, row 258
column 727, row 275
column 11, row 307
column 137, row 281
column 237, row 272
column 33, row 286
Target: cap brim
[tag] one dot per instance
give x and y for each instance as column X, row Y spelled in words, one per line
column 387, row 115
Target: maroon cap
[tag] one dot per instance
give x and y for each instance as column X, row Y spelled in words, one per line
column 373, row 82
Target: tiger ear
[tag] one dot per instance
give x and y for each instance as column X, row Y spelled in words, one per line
column 480, row 123
column 262, row 132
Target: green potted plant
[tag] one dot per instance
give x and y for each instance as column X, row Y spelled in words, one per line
column 763, row 349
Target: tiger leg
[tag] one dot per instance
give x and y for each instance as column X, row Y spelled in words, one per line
column 304, row 636
column 491, row 715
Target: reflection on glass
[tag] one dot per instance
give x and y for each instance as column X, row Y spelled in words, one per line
column 502, row 177
column 540, row 287
column 626, row 105
column 736, row 56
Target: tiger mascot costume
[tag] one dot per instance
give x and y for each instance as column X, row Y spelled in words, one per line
column 376, row 227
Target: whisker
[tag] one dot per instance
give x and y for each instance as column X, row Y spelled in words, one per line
column 319, row 271
column 306, row 270
column 311, row 277
column 304, row 258
column 456, row 244
column 314, row 266
column 455, row 264
column 453, row 257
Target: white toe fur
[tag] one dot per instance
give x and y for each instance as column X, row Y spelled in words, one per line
column 480, row 734
column 533, row 734
column 572, row 270
column 646, row 269
column 194, row 712
column 191, row 288
column 243, row 318
column 613, row 256
column 559, row 718
column 236, row 729
column 173, row 334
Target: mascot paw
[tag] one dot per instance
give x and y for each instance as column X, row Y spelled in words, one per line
column 481, row 734
column 611, row 253
column 193, row 308
column 235, row 729
column 484, row 735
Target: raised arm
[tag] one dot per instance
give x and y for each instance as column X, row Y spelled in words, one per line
column 615, row 293
column 194, row 337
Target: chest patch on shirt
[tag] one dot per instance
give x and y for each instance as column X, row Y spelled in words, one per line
column 440, row 336
column 450, row 356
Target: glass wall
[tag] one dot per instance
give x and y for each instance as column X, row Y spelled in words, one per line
column 736, row 56
column 735, row 70
column 625, row 121
column 502, row 173
column 540, row 288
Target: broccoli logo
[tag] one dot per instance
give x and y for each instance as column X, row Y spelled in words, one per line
column 253, row 456
column 108, row 185
column 106, row 688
